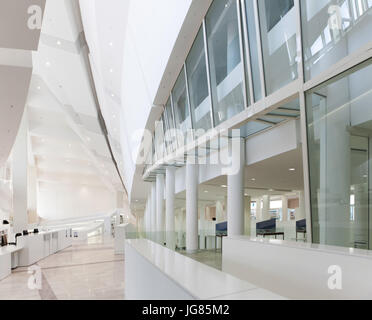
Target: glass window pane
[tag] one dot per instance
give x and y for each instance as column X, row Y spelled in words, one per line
column 279, row 45
column 159, row 139
column 332, row 30
column 181, row 104
column 225, row 60
column 339, row 120
column 252, row 38
column 198, row 84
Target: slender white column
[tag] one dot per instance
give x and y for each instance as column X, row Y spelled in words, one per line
column 219, row 212
column 266, row 208
column 160, row 208
column 247, row 216
column 170, row 190
column 235, row 192
column 202, row 226
column 300, row 213
column 258, row 210
column 192, row 182
column 153, row 211
column 20, row 178
column 284, row 208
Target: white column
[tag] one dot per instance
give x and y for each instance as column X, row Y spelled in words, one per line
column 235, row 190
column 219, row 212
column 284, row 208
column 247, row 216
column 258, row 210
column 20, row 177
column 153, row 211
column 266, row 208
column 169, row 200
column 202, row 227
column 300, row 213
column 192, row 182
column 160, row 208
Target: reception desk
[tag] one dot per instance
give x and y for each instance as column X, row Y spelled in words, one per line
column 9, row 259
column 32, row 248
column 153, row 272
column 41, row 245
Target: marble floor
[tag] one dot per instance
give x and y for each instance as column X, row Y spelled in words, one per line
column 87, row 270
column 212, row 258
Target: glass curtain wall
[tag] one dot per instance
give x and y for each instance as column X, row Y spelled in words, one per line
column 253, row 49
column 339, row 120
column 169, row 127
column 181, row 105
column 278, row 24
column 332, row 30
column 225, row 61
column 198, row 84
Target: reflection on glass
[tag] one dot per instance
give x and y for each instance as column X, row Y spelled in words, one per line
column 253, row 50
column 339, row 117
column 279, row 45
column 198, row 84
column 181, row 105
column 169, row 127
column 225, row 60
column 333, row 29
column 159, row 139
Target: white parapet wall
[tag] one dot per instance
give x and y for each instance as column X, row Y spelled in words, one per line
column 298, row 270
column 154, row 272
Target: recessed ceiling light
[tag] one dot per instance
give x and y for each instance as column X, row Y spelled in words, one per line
column 253, row 179
column 206, row 191
column 224, row 186
column 38, row 87
column 59, row 42
column 111, row 44
column 47, row 64
column 111, row 70
column 292, row 169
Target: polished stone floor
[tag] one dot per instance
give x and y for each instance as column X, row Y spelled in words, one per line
column 87, row 270
column 212, row 258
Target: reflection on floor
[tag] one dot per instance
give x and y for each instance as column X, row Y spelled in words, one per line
column 212, row 258
column 87, row 270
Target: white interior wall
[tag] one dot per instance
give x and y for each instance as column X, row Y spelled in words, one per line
column 63, row 201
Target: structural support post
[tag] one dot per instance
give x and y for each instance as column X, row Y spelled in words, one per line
column 169, row 213
column 192, row 181
column 235, row 190
column 266, row 208
column 20, row 178
column 160, row 208
column 153, row 211
column 247, row 217
column 284, row 209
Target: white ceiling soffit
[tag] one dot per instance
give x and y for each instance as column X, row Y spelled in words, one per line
column 66, row 134
column 20, row 23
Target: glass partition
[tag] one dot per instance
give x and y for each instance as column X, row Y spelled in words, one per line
column 333, row 29
column 253, row 49
column 339, row 120
column 225, row 61
column 159, row 139
column 198, row 84
column 169, row 127
column 181, row 105
column 279, row 46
